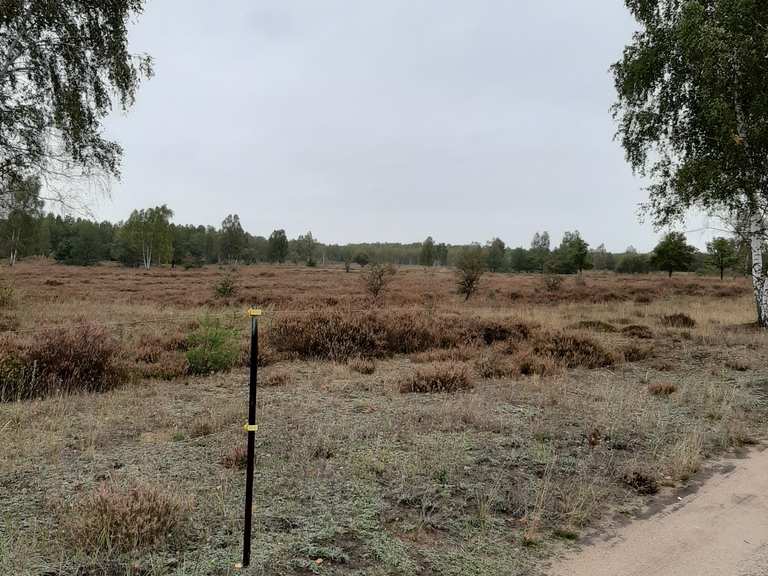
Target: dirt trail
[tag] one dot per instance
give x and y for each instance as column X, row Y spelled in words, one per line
column 719, row 530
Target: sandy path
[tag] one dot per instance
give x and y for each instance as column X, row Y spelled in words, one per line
column 720, row 530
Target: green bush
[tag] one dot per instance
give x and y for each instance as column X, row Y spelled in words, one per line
column 212, row 348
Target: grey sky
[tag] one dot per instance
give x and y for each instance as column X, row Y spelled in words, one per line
column 383, row 121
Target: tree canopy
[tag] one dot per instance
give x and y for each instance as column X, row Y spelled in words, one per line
column 63, row 67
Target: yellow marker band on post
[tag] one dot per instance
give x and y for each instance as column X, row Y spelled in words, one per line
column 254, row 312
column 251, row 427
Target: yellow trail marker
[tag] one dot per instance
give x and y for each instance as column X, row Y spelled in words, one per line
column 254, row 312
column 251, row 427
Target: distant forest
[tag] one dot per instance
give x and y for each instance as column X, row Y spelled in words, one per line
column 149, row 238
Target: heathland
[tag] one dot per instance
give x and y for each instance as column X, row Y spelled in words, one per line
column 417, row 434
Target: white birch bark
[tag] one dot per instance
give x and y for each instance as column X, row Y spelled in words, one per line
column 756, row 241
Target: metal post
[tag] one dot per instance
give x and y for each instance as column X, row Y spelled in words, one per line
column 251, row 428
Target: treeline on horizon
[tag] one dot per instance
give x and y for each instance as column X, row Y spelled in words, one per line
column 149, row 238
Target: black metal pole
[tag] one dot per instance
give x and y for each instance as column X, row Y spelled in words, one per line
column 251, row 429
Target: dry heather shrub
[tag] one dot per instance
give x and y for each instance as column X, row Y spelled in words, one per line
column 85, row 358
column 237, row 458
column 679, row 320
column 641, row 479
column 126, row 519
column 737, row 364
column 7, row 296
column 164, row 366
column 594, row 325
column 459, row 354
column 492, row 364
column 339, row 335
column 574, row 351
column 9, row 322
column 635, row 353
column 662, row 388
column 531, row 364
column 437, row 377
column 362, row 365
column 637, row 331
column 278, row 377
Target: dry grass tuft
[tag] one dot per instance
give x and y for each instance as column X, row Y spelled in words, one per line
column 678, row 320
column 116, row 519
column 595, row 326
column 437, row 377
column 492, row 364
column 635, row 353
column 237, row 458
column 637, row 331
column 277, row 378
column 662, row 388
column 574, row 351
column 531, row 364
column 737, row 364
column 362, row 365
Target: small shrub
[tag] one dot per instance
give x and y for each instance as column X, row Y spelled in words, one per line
column 7, row 296
column 662, row 388
column 165, row 366
column 277, row 378
column 737, row 365
column 595, row 326
column 552, row 283
column 470, row 267
column 491, row 364
column 9, row 322
column 679, row 320
column 126, row 519
column 635, row 353
column 212, row 348
column 574, row 351
column 376, row 278
column 641, row 481
column 362, row 365
column 437, row 377
column 226, row 287
column 637, row 331
column 531, row 364
column 235, row 458
column 85, row 358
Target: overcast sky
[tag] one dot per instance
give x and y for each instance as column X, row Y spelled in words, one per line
column 383, row 120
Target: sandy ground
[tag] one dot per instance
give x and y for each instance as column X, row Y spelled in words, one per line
column 721, row 529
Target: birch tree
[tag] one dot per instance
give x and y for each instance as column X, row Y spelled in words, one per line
column 693, row 113
column 146, row 235
column 20, row 210
column 63, row 67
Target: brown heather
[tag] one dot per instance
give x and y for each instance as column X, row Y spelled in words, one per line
column 437, row 377
column 81, row 358
column 117, row 519
column 350, row 471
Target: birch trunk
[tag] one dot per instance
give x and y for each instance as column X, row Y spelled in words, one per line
column 756, row 240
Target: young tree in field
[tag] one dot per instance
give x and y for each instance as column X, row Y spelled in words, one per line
column 277, row 250
column 497, row 255
column 233, row 239
column 306, row 247
column 722, row 254
column 441, row 254
column 576, row 250
column 20, row 213
column 694, row 116
column 362, row 259
column 539, row 251
column 375, row 280
column 61, row 66
column 631, row 262
column 673, row 254
column 148, row 233
column 470, row 267
column 427, row 255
